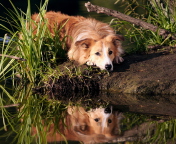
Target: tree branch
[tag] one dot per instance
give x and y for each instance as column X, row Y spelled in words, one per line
column 94, row 8
column 155, row 47
column 13, row 57
column 11, row 105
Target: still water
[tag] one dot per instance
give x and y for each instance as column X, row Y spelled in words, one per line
column 81, row 117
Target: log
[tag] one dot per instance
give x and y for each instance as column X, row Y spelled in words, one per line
column 94, row 8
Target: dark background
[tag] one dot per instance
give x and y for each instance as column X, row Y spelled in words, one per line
column 70, row 7
column 66, row 6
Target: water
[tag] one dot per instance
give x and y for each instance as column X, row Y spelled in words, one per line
column 104, row 117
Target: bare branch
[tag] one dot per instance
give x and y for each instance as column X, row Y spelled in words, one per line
column 12, row 105
column 13, row 57
column 155, row 47
column 94, row 8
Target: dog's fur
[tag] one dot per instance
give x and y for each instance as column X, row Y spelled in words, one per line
column 88, row 40
column 94, row 126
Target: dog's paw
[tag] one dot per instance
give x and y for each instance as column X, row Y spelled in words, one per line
column 90, row 63
column 118, row 60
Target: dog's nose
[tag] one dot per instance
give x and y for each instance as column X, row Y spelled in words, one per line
column 107, row 110
column 108, row 66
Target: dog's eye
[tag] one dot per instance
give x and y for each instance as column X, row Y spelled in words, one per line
column 110, row 52
column 97, row 53
column 97, row 119
column 109, row 121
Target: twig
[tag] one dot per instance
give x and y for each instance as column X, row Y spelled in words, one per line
column 13, row 57
column 12, row 105
column 94, row 8
column 155, row 47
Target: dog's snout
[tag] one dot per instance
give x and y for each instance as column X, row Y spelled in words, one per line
column 108, row 66
column 107, row 110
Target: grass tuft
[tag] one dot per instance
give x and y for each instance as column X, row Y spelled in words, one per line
column 40, row 50
column 157, row 12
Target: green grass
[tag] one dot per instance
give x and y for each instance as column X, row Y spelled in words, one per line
column 164, row 131
column 32, row 111
column 159, row 13
column 40, row 50
column 7, row 66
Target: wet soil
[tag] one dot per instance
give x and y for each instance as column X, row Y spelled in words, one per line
column 155, row 106
column 152, row 73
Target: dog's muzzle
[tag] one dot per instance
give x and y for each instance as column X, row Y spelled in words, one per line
column 108, row 67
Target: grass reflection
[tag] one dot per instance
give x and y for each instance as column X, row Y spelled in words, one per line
column 27, row 117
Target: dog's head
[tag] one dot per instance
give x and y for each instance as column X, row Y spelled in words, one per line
column 96, row 125
column 100, row 53
column 105, row 121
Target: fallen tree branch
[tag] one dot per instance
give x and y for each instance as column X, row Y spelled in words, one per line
column 155, row 47
column 11, row 105
column 94, row 8
column 13, row 57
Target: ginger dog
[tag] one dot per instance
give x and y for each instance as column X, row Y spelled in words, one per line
column 88, row 40
column 94, row 126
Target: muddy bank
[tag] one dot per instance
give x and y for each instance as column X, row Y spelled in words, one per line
column 146, row 74
column 153, row 73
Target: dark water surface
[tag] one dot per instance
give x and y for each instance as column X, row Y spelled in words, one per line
column 147, row 119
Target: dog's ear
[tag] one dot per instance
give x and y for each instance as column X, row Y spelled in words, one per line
column 119, row 37
column 117, row 40
column 85, row 43
column 117, row 129
column 75, row 110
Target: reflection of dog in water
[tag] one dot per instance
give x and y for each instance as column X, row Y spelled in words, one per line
column 94, row 126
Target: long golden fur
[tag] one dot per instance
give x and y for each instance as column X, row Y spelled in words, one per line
column 88, row 40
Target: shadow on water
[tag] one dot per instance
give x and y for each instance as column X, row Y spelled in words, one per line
column 98, row 118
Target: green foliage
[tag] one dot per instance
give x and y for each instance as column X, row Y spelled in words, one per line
column 7, row 65
column 32, row 111
column 40, row 50
column 165, row 131
column 132, row 119
column 158, row 13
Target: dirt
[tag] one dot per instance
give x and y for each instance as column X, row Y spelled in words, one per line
column 146, row 74
column 152, row 73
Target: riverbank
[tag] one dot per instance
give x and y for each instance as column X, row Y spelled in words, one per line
column 152, row 73
column 144, row 74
